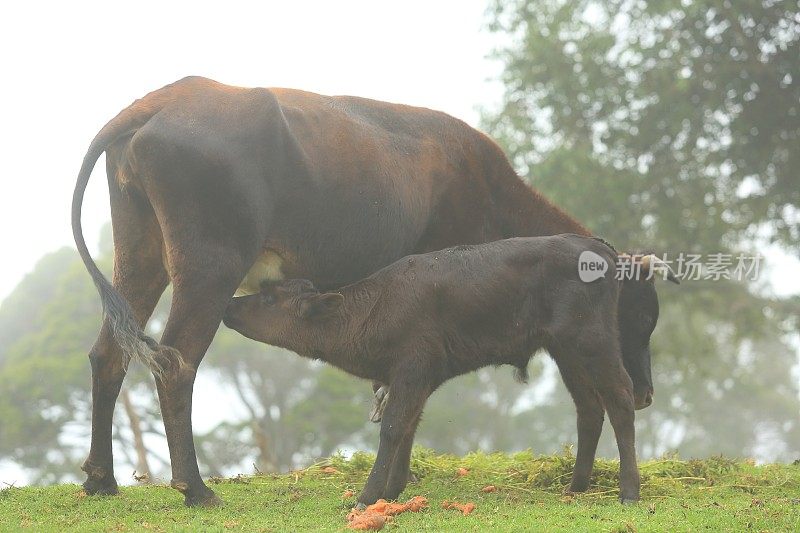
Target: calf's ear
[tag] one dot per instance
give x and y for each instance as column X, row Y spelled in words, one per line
column 322, row 305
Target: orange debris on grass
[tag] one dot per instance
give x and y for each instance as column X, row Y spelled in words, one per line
column 417, row 503
column 330, row 470
column 348, row 494
column 489, row 488
column 375, row 516
column 465, row 508
column 368, row 521
column 461, row 472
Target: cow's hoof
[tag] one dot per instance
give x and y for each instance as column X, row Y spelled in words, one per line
column 99, row 481
column 629, row 501
column 100, row 487
column 201, row 496
column 360, row 506
column 207, row 500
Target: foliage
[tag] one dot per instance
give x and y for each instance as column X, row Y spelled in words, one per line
column 47, row 326
column 43, row 362
column 674, row 127
column 685, row 115
column 717, row 493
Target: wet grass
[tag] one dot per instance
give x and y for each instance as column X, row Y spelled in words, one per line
column 715, row 494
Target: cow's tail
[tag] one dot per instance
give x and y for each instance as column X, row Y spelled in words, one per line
column 133, row 341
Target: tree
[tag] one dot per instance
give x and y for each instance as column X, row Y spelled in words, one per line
column 46, row 327
column 674, row 126
column 690, row 104
column 269, row 410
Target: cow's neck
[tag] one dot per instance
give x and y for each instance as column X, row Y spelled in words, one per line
column 524, row 212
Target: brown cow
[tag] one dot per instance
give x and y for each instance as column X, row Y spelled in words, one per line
column 217, row 188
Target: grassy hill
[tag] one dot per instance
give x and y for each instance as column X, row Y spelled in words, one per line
column 715, row 494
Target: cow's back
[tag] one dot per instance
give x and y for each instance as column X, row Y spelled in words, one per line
column 340, row 133
column 400, row 178
column 360, row 184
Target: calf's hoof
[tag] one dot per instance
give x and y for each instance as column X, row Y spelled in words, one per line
column 578, row 486
column 367, row 499
column 629, row 495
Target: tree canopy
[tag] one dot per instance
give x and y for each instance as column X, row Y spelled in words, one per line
column 673, row 126
column 682, row 117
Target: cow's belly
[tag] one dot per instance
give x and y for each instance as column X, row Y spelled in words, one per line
column 268, row 267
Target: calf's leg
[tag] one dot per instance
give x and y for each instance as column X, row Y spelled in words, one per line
column 590, row 420
column 399, row 420
column 399, row 472
column 616, row 392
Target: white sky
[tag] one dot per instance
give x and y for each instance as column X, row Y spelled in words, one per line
column 69, row 67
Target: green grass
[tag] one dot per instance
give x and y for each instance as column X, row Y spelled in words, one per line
column 714, row 494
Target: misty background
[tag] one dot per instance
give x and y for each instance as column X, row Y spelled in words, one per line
column 670, row 126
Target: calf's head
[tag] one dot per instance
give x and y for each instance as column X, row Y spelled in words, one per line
column 282, row 312
column 637, row 316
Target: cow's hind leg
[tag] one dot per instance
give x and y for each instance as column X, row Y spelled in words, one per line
column 140, row 277
column 200, row 298
column 214, row 220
